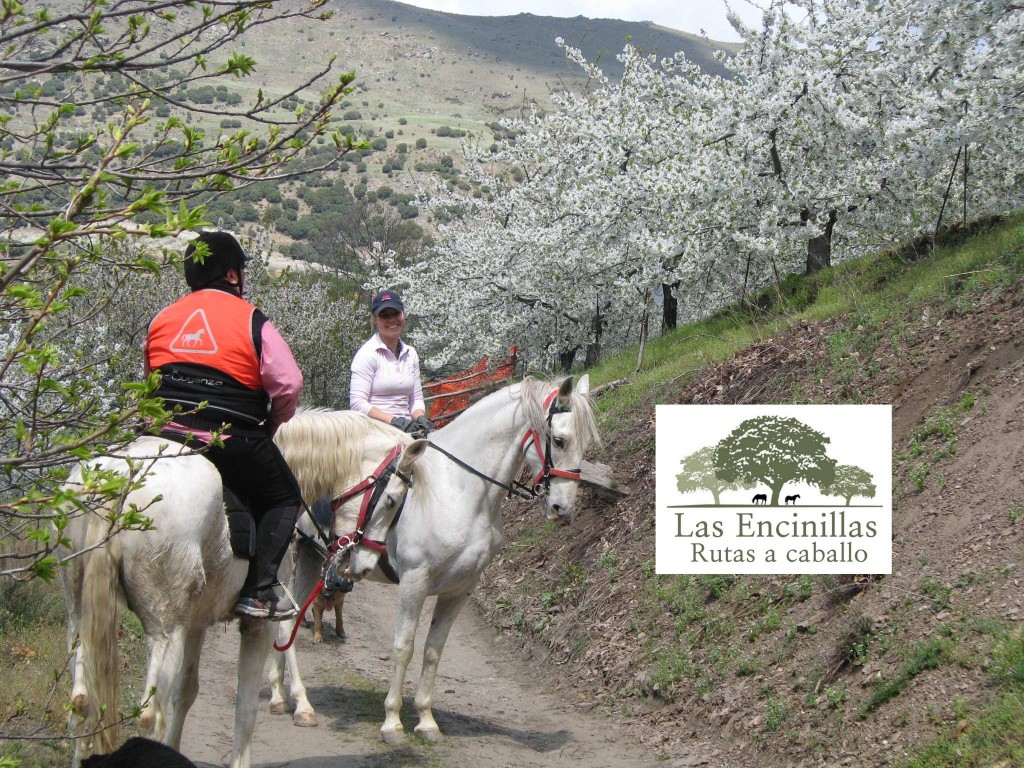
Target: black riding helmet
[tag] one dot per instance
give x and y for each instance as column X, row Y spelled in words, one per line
column 223, row 253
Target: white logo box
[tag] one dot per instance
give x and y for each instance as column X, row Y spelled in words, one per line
column 816, row 530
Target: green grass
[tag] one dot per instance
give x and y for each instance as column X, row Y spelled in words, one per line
column 990, row 736
column 34, row 663
column 923, row 656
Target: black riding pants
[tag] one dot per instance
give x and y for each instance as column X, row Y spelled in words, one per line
column 256, row 472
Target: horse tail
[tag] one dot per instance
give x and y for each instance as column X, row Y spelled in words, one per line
column 96, row 703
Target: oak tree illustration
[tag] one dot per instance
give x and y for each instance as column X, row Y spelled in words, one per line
column 774, row 450
column 850, row 481
column 699, row 473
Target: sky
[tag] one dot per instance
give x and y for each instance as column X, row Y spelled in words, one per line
column 686, row 15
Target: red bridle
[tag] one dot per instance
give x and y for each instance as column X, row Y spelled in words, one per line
column 372, row 488
column 543, row 477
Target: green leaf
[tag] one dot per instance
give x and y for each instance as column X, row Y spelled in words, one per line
column 46, row 568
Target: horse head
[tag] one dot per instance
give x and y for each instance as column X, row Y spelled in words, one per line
column 563, row 428
column 364, row 558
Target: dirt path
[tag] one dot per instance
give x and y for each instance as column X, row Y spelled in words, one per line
column 493, row 709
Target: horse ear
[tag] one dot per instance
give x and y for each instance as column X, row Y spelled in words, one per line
column 583, row 385
column 564, row 391
column 413, row 451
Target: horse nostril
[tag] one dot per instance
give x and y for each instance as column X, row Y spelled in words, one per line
column 558, row 513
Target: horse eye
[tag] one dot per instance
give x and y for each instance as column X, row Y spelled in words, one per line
column 559, row 442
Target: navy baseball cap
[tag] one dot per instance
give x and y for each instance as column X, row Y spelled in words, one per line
column 386, row 300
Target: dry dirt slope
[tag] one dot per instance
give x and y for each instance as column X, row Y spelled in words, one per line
column 779, row 671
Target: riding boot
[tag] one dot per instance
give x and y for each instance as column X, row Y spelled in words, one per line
column 273, row 534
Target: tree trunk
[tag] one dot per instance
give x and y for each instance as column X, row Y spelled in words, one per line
column 643, row 342
column 819, row 249
column 593, row 352
column 669, row 307
column 566, row 359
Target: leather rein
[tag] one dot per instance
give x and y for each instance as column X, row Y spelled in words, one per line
column 542, row 481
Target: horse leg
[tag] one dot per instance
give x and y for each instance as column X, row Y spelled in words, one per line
column 275, row 677
column 187, row 687
column 151, row 717
column 256, row 638
column 339, row 622
column 170, row 670
column 305, row 716
column 445, row 611
column 411, row 595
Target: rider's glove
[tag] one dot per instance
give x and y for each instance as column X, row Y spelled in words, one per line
column 425, row 424
column 405, row 424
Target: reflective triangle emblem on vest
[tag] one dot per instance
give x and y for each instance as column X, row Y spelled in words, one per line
column 195, row 336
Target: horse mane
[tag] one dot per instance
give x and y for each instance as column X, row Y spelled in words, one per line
column 583, row 424
column 323, row 445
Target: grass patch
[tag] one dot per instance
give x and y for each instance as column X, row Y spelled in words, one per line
column 923, row 656
column 990, row 737
column 35, row 662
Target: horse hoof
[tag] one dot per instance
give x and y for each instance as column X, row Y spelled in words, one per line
column 342, row 636
column 279, row 707
column 304, row 719
column 393, row 738
column 430, row 734
column 317, row 639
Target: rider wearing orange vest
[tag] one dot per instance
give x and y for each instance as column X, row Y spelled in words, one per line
column 214, row 347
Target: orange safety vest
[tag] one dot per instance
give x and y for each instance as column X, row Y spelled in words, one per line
column 203, row 347
column 211, row 328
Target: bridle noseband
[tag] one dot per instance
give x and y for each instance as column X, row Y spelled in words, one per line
column 542, row 481
column 372, row 488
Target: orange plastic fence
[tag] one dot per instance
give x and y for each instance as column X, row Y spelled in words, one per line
column 450, row 396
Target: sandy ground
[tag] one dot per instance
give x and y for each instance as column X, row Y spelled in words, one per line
column 491, row 705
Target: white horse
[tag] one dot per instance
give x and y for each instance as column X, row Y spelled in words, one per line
column 441, row 545
column 179, row 578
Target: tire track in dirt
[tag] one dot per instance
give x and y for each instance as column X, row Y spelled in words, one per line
column 493, row 708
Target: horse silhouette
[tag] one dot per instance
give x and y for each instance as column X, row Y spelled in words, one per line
column 192, row 339
column 761, row 497
column 792, row 498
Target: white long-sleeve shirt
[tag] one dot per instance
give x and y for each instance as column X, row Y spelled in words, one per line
column 386, row 381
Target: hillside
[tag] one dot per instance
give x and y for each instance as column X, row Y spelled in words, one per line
column 418, row 70
column 425, row 81
column 745, row 671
